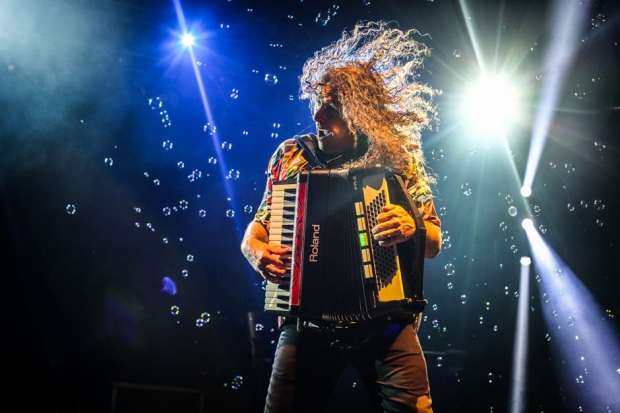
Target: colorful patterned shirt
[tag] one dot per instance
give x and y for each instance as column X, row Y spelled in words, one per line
column 290, row 159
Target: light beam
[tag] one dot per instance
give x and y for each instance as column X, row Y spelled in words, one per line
column 585, row 343
column 567, row 16
column 519, row 361
column 209, row 117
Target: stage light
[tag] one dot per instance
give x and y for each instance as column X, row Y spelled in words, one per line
column 526, row 191
column 519, row 358
column 187, row 40
column 490, row 105
column 527, row 223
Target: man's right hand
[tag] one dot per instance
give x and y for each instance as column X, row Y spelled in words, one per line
column 265, row 258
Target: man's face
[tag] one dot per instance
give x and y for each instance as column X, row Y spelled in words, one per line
column 333, row 133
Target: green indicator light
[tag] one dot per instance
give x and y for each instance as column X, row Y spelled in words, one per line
column 363, row 240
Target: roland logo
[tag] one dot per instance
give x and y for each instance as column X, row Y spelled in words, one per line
column 314, row 248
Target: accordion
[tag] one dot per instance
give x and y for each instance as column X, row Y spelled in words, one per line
column 336, row 271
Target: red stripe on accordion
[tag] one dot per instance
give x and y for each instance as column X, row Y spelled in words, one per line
column 297, row 244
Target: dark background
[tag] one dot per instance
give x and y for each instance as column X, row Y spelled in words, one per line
column 83, row 82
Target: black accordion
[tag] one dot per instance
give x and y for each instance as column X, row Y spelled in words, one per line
column 337, row 272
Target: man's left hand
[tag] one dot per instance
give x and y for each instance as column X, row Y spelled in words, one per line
column 394, row 225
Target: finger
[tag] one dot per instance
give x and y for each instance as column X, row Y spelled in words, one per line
column 276, row 269
column 385, row 226
column 390, row 214
column 388, row 242
column 272, row 269
column 272, row 273
column 393, row 239
column 277, row 249
column 384, row 216
column 388, row 233
column 268, row 258
column 270, row 277
column 394, row 210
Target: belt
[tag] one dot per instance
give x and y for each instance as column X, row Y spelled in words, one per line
column 327, row 326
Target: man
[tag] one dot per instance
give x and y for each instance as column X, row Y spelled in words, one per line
column 368, row 110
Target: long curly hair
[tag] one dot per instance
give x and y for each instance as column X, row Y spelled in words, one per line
column 372, row 71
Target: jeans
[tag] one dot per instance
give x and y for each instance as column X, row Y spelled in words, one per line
column 386, row 354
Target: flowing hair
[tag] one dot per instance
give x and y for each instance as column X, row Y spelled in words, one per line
column 372, row 70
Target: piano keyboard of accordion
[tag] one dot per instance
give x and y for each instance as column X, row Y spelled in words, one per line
column 337, row 271
column 281, row 231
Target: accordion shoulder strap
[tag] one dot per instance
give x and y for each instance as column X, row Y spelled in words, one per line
column 309, row 144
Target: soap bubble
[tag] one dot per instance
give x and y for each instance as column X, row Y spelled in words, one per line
column 512, row 211
column 271, row 79
column 155, row 103
column 233, row 174
column 466, row 189
column 449, row 267
column 236, row 383
column 437, row 154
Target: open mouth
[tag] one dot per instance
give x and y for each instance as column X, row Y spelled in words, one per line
column 323, row 133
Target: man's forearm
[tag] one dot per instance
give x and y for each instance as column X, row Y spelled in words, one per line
column 433, row 240
column 254, row 231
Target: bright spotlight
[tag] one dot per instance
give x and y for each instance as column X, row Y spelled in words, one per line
column 525, row 191
column 525, row 261
column 490, row 104
column 527, row 223
column 187, row 40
